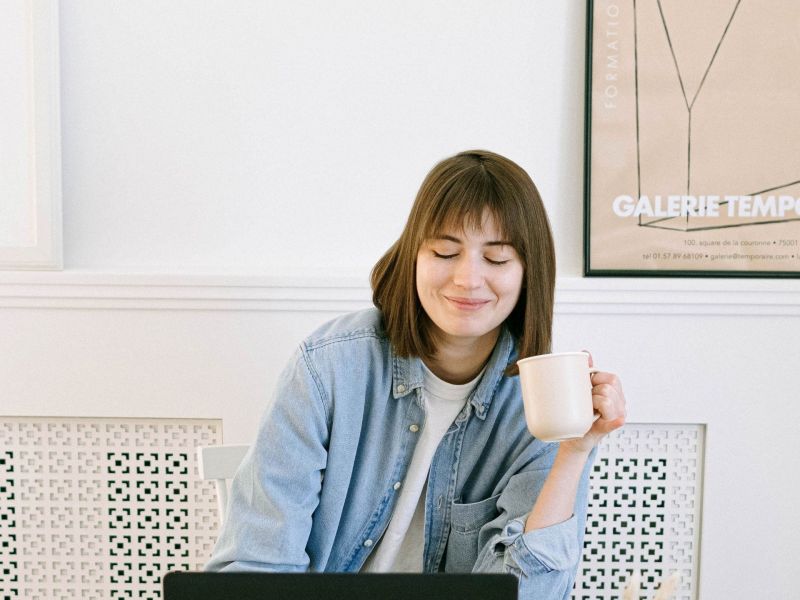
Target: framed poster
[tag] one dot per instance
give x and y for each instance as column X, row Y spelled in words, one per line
column 693, row 138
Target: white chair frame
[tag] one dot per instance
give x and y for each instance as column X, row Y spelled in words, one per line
column 219, row 463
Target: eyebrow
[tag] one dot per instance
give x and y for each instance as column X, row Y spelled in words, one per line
column 451, row 238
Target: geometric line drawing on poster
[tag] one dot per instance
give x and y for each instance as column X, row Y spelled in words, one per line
column 687, row 227
column 670, row 223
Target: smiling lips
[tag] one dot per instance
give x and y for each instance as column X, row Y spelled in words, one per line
column 467, row 304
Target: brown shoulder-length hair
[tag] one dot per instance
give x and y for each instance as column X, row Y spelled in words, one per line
column 456, row 194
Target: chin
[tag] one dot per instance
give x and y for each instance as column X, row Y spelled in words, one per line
column 470, row 330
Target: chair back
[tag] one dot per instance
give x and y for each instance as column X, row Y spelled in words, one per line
column 219, row 463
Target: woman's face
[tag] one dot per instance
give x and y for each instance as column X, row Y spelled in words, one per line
column 468, row 281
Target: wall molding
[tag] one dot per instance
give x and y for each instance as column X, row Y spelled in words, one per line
column 327, row 293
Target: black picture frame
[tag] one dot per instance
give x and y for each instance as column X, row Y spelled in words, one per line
column 694, row 236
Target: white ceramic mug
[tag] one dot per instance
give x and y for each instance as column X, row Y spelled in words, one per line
column 557, row 395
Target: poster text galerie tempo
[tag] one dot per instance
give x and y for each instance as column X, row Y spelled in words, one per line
column 707, row 206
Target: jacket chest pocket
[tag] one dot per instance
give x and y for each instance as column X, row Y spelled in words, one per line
column 466, row 521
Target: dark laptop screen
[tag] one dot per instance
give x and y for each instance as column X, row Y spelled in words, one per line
column 338, row 586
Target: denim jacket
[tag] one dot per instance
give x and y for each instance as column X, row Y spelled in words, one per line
column 317, row 489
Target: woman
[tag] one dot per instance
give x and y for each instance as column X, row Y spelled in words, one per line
column 396, row 440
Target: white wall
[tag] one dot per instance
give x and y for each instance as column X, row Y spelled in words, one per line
column 231, row 171
column 292, row 136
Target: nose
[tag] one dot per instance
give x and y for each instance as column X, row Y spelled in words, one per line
column 468, row 273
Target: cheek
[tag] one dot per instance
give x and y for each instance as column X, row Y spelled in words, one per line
column 512, row 286
column 424, row 276
column 419, row 269
column 429, row 273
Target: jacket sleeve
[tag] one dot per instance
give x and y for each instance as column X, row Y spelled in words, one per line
column 277, row 487
column 544, row 560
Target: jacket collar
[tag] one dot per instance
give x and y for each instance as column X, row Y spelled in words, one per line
column 407, row 374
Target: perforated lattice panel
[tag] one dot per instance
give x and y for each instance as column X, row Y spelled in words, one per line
column 101, row 508
column 644, row 511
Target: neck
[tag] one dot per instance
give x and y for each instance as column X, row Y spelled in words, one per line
column 458, row 360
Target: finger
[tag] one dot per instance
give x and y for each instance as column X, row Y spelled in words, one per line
column 606, row 390
column 606, row 407
column 609, row 405
column 599, row 377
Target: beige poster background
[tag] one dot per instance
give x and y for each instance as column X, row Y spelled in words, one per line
column 695, row 99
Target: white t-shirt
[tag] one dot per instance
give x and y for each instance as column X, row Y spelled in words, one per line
column 402, row 545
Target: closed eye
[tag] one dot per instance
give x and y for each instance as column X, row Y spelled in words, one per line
column 486, row 258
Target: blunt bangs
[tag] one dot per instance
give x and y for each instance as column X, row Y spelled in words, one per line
column 464, row 204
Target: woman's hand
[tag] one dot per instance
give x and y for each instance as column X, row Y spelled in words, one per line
column 609, row 404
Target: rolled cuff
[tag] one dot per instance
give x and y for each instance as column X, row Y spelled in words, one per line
column 553, row 548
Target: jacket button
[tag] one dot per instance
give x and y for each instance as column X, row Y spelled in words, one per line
column 367, row 543
column 397, row 485
column 414, row 428
column 401, row 388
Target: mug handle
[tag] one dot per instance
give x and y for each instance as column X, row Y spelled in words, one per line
column 593, row 370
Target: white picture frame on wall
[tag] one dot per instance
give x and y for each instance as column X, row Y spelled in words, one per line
column 30, row 136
